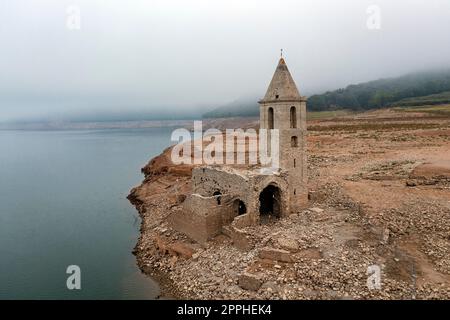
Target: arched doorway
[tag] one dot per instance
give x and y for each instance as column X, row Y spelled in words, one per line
column 269, row 203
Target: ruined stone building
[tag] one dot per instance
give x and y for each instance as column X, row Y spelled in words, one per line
column 226, row 198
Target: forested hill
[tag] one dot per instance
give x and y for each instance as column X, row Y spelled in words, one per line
column 382, row 93
column 369, row 95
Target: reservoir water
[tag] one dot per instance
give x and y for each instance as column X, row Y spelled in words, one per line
column 63, row 202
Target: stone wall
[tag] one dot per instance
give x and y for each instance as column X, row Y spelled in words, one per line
column 216, row 195
column 245, row 185
column 200, row 218
column 292, row 156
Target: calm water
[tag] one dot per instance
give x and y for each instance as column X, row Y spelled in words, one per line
column 63, row 202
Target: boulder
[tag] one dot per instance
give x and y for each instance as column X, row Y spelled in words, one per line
column 248, row 281
column 411, row 183
column 275, row 254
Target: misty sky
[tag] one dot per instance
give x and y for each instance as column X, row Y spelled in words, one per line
column 168, row 56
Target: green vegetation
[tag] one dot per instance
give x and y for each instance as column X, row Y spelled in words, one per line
column 433, row 99
column 382, row 93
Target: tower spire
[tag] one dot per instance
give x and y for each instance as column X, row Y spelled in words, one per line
column 282, row 87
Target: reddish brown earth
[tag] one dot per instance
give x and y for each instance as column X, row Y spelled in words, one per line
column 379, row 195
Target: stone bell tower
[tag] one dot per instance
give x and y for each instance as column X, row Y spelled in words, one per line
column 284, row 109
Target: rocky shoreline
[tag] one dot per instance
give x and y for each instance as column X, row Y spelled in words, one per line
column 363, row 212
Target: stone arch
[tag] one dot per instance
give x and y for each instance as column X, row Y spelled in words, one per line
column 270, row 202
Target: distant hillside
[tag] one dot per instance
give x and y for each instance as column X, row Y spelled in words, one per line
column 420, row 87
column 382, row 93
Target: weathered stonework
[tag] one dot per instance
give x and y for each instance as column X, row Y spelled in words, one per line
column 226, row 196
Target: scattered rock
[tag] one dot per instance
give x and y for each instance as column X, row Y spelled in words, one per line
column 160, row 244
column 180, row 249
column 195, row 256
column 270, row 286
column 336, row 244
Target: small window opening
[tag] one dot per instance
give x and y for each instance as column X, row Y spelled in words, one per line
column 218, row 195
column 239, row 207
column 270, row 118
column 293, row 116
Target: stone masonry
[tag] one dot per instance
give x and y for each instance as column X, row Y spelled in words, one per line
column 225, row 199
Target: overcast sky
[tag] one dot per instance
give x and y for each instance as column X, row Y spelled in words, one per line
column 178, row 55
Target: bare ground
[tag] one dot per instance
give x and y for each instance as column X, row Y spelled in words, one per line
column 379, row 195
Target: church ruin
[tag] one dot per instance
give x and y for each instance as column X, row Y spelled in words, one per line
column 226, row 199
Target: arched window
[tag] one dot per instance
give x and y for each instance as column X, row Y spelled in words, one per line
column 294, row 142
column 293, row 117
column 270, row 118
column 239, row 207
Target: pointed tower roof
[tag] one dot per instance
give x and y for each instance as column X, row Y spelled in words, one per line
column 282, row 87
